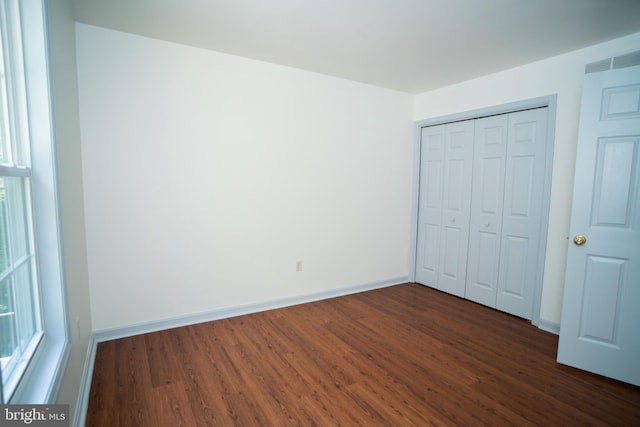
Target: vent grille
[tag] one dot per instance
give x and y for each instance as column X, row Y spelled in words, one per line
column 627, row 60
column 622, row 61
column 595, row 67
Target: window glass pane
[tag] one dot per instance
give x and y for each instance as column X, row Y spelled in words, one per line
column 17, row 198
column 27, row 312
column 9, row 351
column 20, row 320
column 5, row 256
column 4, row 122
column 8, row 337
column 15, row 232
column 20, row 325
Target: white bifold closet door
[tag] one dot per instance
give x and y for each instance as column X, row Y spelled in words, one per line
column 480, row 211
column 506, row 210
column 445, row 200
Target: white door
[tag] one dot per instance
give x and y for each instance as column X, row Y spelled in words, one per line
column 445, row 199
column 600, row 327
column 489, row 153
column 430, row 209
column 506, row 210
column 520, row 257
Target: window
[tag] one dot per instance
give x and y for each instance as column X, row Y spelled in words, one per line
column 33, row 337
column 20, row 322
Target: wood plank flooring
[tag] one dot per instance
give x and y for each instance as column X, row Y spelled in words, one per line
column 406, row 355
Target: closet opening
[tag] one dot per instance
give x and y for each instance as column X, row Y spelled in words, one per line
column 481, row 204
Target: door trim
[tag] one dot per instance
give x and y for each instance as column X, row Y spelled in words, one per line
column 550, row 102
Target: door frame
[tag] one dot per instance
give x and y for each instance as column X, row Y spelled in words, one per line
column 550, row 102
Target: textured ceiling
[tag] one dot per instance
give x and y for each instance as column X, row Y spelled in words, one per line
column 407, row 45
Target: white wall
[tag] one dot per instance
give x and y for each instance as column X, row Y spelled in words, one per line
column 69, row 167
column 207, row 176
column 561, row 75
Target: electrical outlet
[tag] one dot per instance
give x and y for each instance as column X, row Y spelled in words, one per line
column 298, row 266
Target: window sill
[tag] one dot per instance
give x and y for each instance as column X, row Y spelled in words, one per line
column 41, row 380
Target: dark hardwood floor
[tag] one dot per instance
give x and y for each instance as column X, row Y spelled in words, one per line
column 399, row 356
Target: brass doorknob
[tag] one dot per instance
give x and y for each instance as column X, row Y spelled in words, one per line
column 579, row 240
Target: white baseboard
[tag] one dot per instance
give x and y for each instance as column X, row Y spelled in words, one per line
column 99, row 336
column 82, row 403
column 223, row 313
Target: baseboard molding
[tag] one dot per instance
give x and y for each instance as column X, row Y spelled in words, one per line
column 552, row 327
column 223, row 313
column 82, row 403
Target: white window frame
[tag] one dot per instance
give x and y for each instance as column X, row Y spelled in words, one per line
column 40, row 380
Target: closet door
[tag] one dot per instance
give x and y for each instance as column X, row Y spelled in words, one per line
column 506, row 210
column 445, row 201
column 522, row 212
column 481, row 202
column 430, row 209
column 490, row 150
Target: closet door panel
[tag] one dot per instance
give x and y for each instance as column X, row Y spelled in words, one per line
column 456, row 206
column 450, row 249
column 522, row 171
column 455, row 183
column 522, row 212
column 432, row 152
column 516, row 250
column 430, row 243
column 490, row 147
column 482, row 271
